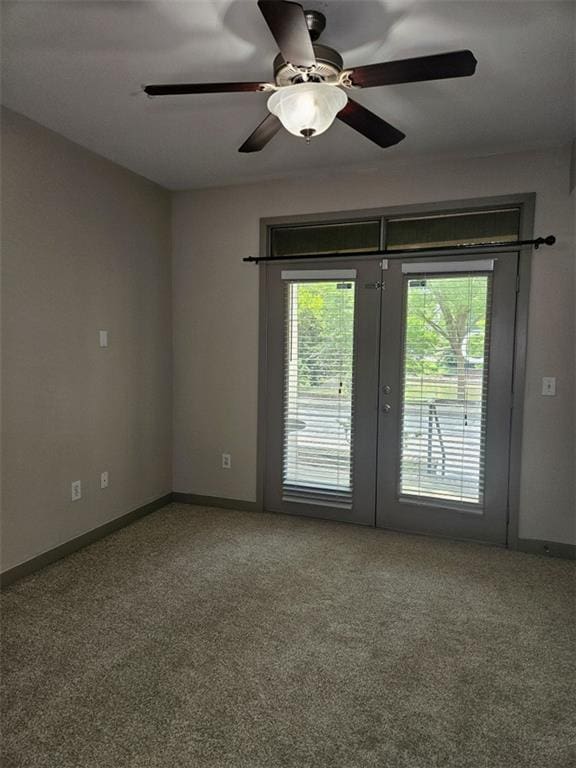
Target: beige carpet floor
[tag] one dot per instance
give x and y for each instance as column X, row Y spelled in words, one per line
column 209, row 638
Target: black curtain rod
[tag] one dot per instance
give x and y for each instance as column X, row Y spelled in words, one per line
column 550, row 240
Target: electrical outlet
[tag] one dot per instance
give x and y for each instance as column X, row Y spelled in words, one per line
column 76, row 490
column 104, row 480
column 226, row 461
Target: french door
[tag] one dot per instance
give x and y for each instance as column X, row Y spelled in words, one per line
column 389, row 392
column 322, row 390
column 446, row 361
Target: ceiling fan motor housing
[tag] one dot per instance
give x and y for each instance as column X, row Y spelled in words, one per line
column 328, row 66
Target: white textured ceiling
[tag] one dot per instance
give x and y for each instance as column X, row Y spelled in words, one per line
column 77, row 67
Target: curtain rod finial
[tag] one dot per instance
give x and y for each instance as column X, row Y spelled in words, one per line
column 550, row 240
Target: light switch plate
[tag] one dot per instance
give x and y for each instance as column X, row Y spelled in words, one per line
column 103, row 479
column 103, row 336
column 549, row 386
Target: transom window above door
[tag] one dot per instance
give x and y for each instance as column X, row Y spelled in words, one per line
column 364, row 236
column 443, row 231
column 340, row 237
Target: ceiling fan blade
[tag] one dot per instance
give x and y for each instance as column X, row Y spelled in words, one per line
column 370, row 125
column 436, row 67
column 176, row 89
column 258, row 139
column 288, row 26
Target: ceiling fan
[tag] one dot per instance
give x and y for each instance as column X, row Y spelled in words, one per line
column 310, row 83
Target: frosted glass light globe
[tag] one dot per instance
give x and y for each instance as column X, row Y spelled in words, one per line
column 307, row 109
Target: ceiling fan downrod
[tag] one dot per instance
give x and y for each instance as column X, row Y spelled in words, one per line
column 316, row 23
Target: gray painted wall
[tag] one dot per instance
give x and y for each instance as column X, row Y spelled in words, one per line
column 216, row 316
column 86, row 246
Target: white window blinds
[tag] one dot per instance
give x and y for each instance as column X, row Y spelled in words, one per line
column 445, row 369
column 318, row 387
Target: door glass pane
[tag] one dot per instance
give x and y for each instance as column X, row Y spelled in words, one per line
column 445, row 367
column 453, row 229
column 318, row 394
column 343, row 237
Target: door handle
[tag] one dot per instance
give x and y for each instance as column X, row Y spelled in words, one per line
column 386, row 407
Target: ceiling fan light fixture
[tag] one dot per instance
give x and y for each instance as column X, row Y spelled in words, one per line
column 307, row 109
